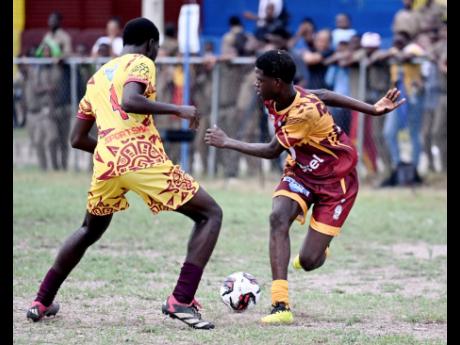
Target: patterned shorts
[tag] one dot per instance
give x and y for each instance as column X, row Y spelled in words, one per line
column 331, row 202
column 164, row 188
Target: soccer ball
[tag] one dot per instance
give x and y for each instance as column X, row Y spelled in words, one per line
column 240, row 291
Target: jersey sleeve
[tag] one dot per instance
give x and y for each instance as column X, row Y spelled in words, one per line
column 298, row 126
column 85, row 110
column 143, row 71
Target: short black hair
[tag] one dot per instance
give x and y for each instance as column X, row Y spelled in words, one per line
column 277, row 64
column 234, row 21
column 310, row 21
column 405, row 34
column 138, row 31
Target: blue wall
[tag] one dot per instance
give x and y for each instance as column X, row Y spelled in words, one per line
column 367, row 15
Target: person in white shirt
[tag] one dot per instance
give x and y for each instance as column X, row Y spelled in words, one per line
column 260, row 17
column 343, row 31
column 113, row 38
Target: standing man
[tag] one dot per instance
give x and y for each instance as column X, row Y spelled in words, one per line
column 129, row 156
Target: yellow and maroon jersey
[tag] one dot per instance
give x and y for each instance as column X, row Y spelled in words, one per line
column 319, row 151
column 126, row 141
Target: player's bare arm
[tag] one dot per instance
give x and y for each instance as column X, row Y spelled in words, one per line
column 218, row 138
column 385, row 105
column 134, row 101
column 80, row 138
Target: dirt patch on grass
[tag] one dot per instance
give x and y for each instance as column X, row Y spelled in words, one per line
column 419, row 250
column 388, row 280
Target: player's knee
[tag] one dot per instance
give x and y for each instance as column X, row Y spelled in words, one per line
column 216, row 214
column 279, row 223
column 310, row 262
column 91, row 235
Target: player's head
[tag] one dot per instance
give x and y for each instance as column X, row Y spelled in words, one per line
column 143, row 34
column 275, row 70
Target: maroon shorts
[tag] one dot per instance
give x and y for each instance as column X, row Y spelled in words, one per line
column 331, row 202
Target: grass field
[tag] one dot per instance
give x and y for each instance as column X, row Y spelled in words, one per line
column 384, row 283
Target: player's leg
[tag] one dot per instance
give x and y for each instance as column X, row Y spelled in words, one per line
column 284, row 211
column 313, row 252
column 207, row 215
column 104, row 198
column 335, row 201
column 67, row 258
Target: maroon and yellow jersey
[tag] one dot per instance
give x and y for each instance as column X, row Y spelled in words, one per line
column 319, row 151
column 126, row 141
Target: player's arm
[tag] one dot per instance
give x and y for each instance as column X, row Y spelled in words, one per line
column 134, row 101
column 217, row 137
column 386, row 104
column 80, row 138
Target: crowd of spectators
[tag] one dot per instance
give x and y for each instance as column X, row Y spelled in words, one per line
column 328, row 58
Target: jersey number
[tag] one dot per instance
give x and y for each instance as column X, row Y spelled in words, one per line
column 115, row 105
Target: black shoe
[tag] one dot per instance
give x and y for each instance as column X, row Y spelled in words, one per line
column 37, row 311
column 187, row 313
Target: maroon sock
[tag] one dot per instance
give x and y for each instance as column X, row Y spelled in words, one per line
column 49, row 287
column 187, row 284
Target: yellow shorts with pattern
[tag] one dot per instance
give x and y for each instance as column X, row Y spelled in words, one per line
column 163, row 188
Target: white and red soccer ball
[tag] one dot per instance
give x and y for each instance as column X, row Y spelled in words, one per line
column 240, row 291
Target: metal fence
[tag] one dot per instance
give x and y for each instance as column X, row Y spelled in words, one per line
column 222, row 91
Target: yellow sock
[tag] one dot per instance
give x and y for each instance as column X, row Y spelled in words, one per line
column 280, row 292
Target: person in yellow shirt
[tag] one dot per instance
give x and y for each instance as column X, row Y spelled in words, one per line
column 128, row 155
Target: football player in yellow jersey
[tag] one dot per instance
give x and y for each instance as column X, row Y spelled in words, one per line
column 320, row 172
column 129, row 156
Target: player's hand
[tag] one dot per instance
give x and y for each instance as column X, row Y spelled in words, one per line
column 189, row 112
column 389, row 102
column 215, row 137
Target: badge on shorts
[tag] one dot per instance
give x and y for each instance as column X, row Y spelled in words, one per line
column 295, row 186
column 337, row 212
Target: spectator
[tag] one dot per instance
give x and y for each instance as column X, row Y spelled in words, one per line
column 303, row 40
column 430, row 73
column 57, row 39
column 377, row 82
column 315, row 60
column 113, row 39
column 103, row 50
column 261, row 17
column 39, row 90
column 271, row 23
column 234, row 41
column 337, row 79
column 407, row 19
column 170, row 45
column 60, row 46
column 432, row 14
column 407, row 76
column 343, row 31
column 440, row 120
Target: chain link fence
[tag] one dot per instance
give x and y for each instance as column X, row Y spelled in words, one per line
column 46, row 95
